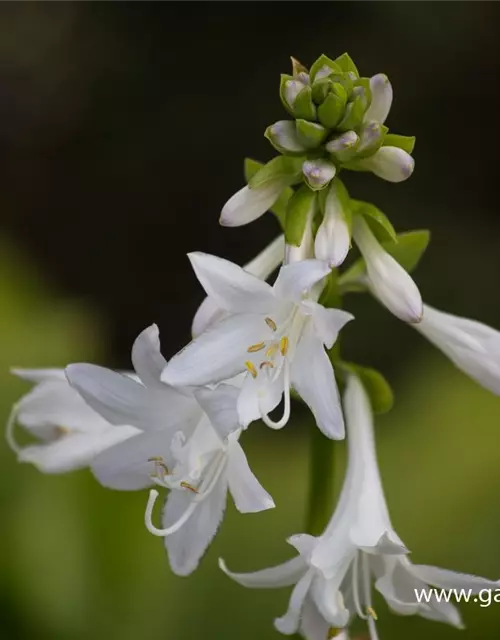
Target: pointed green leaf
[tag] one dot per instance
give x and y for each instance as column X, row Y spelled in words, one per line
column 331, row 111
column 310, row 134
column 353, row 115
column 376, row 386
column 300, row 207
column 407, row 143
column 346, row 63
column 324, row 66
column 364, row 83
column 279, row 168
column 303, row 106
column 378, row 222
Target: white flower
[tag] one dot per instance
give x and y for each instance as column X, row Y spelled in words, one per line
column 472, row 346
column 248, row 204
column 188, row 443
column 382, row 94
column 70, row 433
column 274, row 333
column 262, row 266
column 333, row 238
column 386, row 277
column 333, row 573
column 389, row 163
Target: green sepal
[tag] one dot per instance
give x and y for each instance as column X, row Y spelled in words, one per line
column 283, row 136
column 323, row 62
column 310, row 134
column 339, row 90
column 346, row 63
column 284, row 78
column 303, row 106
column 330, row 296
column 407, row 143
column 345, row 80
column 320, row 89
column 353, row 115
column 280, row 206
column 331, row 111
column 378, row 222
column 297, row 213
column 287, row 169
column 364, row 83
column 376, row 386
column 318, row 173
column 371, row 137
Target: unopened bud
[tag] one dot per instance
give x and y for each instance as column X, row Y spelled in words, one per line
column 318, row 173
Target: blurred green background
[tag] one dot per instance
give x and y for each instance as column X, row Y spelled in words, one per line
column 122, row 132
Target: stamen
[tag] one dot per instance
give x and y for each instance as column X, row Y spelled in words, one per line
column 162, row 533
column 355, row 587
column 271, row 324
column 272, row 350
column 256, row 347
column 251, row 367
column 155, row 459
column 186, row 485
column 266, row 363
column 9, row 430
column 286, row 410
column 284, row 345
column 61, row 431
column 371, row 611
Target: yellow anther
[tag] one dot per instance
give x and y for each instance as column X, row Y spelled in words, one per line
column 61, row 431
column 251, row 367
column 333, row 632
column 271, row 324
column 155, row 459
column 272, row 350
column 266, row 363
column 371, row 612
column 186, row 485
column 284, row 345
column 256, row 347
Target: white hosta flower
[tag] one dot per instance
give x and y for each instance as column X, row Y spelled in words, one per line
column 276, row 334
column 333, row 238
column 188, row 443
column 389, row 163
column 69, row 432
column 382, row 95
column 262, row 266
column 248, row 204
column 333, row 573
column 386, row 277
column 472, row 346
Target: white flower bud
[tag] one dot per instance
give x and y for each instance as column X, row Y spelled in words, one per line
column 342, row 143
column 389, row 163
column 318, row 173
column 333, row 238
column 381, row 103
column 247, row 204
column 291, row 91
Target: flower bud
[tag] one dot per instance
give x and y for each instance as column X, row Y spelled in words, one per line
column 310, row 134
column 318, row 173
column 283, row 136
column 333, row 238
column 343, row 147
column 389, row 163
column 372, row 136
column 381, row 103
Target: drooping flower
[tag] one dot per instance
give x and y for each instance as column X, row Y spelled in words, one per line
column 187, row 443
column 333, row 573
column 471, row 345
column 69, row 433
column 276, row 334
column 262, row 266
column 386, row 277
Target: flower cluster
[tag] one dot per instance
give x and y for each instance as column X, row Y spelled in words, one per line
column 176, row 426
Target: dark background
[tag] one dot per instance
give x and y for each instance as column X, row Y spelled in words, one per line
column 123, row 129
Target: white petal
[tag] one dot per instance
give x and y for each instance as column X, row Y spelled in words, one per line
column 218, row 354
column 208, row 314
column 389, row 163
column 312, row 625
column 186, row 547
column 312, row 376
column 127, row 466
column 327, row 322
column 304, row 543
column 328, row 597
column 121, row 400
column 333, row 238
column 392, row 285
column 220, row 406
column 232, row 288
column 381, row 103
column 289, row 623
column 38, row 375
column 258, row 396
column 75, row 450
column 295, row 280
column 146, row 356
column 248, row 204
column 248, row 494
column 472, row 346
column 452, row 580
column 282, row 575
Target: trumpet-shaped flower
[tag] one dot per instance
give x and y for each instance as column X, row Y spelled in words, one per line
column 333, row 573
column 472, row 346
column 276, row 334
column 386, row 277
column 187, row 443
column 69, row 432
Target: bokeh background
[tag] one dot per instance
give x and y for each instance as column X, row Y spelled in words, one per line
column 123, row 128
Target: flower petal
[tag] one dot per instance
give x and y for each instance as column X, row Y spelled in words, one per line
column 38, row 375
column 328, row 597
column 208, row 314
column 220, row 406
column 186, row 547
column 295, row 280
column 74, row 450
column 248, row 494
column 289, row 623
column 146, row 357
column 127, row 466
column 312, row 625
column 452, row 579
column 313, row 377
column 281, row 575
column 218, row 354
column 381, row 103
column 246, row 205
column 258, row 396
column 327, row 322
column 232, row 288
